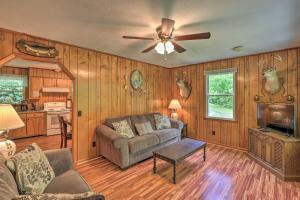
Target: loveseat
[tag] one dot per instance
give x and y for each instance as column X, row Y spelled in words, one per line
column 67, row 179
column 124, row 151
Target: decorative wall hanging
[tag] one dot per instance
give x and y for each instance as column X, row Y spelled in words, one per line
column 272, row 84
column 136, row 81
column 36, row 49
column 185, row 88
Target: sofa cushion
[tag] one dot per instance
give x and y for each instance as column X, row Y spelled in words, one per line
column 69, row 182
column 109, row 122
column 8, row 186
column 123, row 128
column 150, row 117
column 81, row 196
column 32, row 169
column 165, row 135
column 137, row 119
column 162, row 122
column 144, row 128
column 143, row 142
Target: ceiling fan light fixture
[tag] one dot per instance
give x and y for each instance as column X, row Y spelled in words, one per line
column 169, row 47
column 164, row 47
column 160, row 48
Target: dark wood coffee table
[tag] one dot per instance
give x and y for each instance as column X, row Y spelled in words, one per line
column 177, row 152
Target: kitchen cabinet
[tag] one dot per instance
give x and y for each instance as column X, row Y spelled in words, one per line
column 35, row 124
column 35, row 86
column 20, row 132
column 276, row 152
column 49, row 82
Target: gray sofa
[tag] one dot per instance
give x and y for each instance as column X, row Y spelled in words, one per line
column 125, row 152
column 67, row 179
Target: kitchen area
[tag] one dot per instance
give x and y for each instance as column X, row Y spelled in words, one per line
column 40, row 93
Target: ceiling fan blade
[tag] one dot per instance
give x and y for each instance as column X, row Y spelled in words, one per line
column 149, row 48
column 178, row 48
column 137, row 38
column 167, row 26
column 197, row 36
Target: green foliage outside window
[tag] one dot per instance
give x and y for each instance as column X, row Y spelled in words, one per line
column 12, row 89
column 220, row 95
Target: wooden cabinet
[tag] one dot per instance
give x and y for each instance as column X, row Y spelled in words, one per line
column 20, row 132
column 35, row 124
column 49, row 82
column 276, row 152
column 35, row 86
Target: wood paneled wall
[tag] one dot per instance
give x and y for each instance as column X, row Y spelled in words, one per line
column 249, row 83
column 49, row 78
column 101, row 93
column 13, row 71
column 100, row 86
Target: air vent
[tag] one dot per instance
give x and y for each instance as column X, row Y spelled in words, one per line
column 238, row 48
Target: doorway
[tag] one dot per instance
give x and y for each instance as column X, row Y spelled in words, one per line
column 41, row 91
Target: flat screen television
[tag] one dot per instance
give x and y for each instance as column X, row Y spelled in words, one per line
column 280, row 117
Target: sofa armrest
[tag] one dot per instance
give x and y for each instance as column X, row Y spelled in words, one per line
column 60, row 160
column 116, row 139
column 176, row 124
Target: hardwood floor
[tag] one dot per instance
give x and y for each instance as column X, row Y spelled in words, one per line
column 226, row 174
column 44, row 142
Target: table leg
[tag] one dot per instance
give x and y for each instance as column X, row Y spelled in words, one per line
column 174, row 173
column 204, row 153
column 154, row 163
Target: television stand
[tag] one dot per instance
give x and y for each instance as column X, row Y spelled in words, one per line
column 276, row 152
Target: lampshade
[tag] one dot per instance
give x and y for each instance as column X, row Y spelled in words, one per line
column 169, row 47
column 174, row 104
column 9, row 118
column 160, row 48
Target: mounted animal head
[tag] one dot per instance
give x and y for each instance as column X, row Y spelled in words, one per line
column 272, row 84
column 184, row 86
column 270, row 72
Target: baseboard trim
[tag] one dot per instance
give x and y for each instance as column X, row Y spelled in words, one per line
column 80, row 162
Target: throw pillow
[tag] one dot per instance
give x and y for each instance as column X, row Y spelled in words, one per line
column 162, row 122
column 144, row 128
column 123, row 128
column 81, row 196
column 32, row 170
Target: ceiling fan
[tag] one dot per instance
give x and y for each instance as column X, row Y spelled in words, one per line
column 165, row 41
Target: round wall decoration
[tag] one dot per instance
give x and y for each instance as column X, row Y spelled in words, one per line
column 136, row 79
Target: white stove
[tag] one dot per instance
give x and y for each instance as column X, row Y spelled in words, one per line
column 53, row 110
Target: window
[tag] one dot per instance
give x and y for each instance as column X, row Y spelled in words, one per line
column 220, row 94
column 12, row 88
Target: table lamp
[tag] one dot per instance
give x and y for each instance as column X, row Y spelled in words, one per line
column 9, row 120
column 174, row 105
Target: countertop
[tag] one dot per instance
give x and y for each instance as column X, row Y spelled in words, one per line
column 31, row 111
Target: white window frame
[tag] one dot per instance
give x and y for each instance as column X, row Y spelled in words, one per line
column 207, row 95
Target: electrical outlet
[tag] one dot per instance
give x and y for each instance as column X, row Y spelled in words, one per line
column 94, row 143
column 213, row 133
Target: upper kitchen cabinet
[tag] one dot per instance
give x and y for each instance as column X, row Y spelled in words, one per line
column 35, row 86
column 49, row 82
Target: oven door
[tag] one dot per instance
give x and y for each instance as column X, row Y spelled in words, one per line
column 53, row 126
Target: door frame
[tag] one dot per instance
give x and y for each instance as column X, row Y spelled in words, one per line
column 13, row 56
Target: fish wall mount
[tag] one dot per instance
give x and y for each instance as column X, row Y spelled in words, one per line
column 36, row 49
